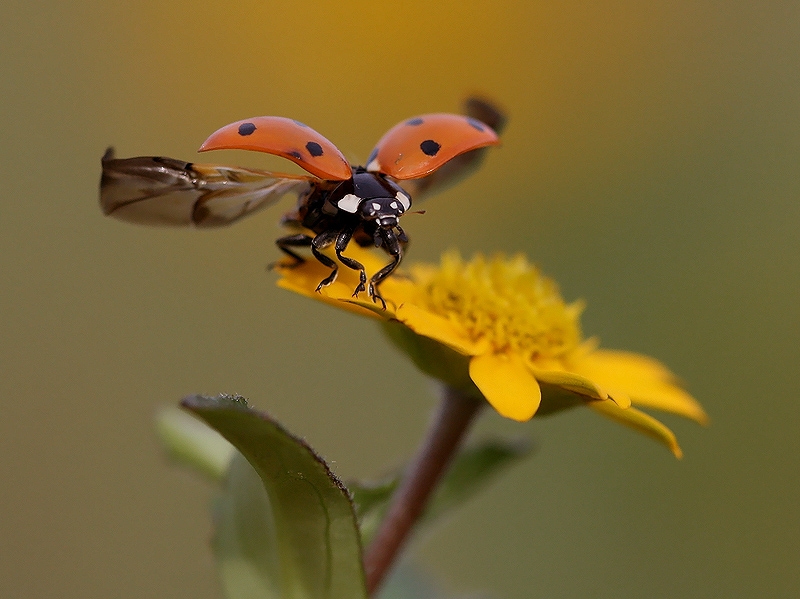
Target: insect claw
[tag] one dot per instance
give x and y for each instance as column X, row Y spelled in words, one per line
column 359, row 289
column 326, row 281
column 376, row 296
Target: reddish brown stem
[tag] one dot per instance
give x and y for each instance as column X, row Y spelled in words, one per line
column 449, row 426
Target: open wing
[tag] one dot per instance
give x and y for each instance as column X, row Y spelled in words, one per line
column 463, row 165
column 168, row 192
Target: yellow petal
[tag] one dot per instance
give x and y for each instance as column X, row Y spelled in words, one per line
column 298, row 285
column 569, row 381
column 399, row 289
column 637, row 420
column 620, row 398
column 437, row 327
column 507, row 384
column 305, row 276
column 646, row 381
column 375, row 307
column 581, row 385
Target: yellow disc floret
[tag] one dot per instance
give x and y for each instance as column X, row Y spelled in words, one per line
column 505, row 302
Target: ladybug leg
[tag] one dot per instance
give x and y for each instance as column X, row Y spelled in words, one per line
column 320, row 242
column 341, row 244
column 401, row 235
column 394, row 248
column 284, row 243
column 380, row 276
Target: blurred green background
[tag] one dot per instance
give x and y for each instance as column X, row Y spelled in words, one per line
column 650, row 166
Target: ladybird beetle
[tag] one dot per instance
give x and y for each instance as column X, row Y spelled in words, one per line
column 337, row 202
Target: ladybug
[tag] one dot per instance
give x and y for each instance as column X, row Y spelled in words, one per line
column 337, row 202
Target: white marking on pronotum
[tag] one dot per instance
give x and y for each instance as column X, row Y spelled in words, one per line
column 349, row 203
column 373, row 166
column 376, row 206
column 393, row 205
column 404, row 200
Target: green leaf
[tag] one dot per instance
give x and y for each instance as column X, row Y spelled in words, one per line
column 245, row 540
column 471, row 469
column 296, row 539
column 191, row 443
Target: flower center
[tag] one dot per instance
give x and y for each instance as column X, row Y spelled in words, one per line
column 506, row 302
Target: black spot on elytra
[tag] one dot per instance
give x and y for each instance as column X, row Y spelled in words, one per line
column 476, row 124
column 430, row 147
column 415, row 122
column 246, row 129
column 314, row 148
column 295, row 154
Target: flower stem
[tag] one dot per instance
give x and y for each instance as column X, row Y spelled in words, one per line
column 449, row 425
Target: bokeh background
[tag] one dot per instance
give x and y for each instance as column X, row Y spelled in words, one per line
column 650, row 165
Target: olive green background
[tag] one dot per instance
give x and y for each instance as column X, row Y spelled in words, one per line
column 650, row 166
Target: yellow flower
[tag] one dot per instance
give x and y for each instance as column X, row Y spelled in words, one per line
column 496, row 328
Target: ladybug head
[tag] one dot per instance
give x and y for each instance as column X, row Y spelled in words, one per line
column 385, row 212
